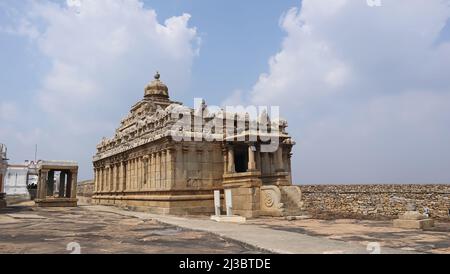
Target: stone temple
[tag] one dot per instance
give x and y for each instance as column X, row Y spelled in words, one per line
column 160, row 161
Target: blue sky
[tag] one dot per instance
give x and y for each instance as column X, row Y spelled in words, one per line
column 365, row 89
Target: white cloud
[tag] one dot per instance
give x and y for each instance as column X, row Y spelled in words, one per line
column 366, row 90
column 102, row 54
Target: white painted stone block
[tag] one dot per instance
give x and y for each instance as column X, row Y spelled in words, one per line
column 229, row 202
column 217, row 202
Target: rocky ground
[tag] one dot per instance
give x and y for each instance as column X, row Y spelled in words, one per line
column 435, row 240
column 26, row 229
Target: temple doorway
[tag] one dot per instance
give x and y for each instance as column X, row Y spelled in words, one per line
column 241, row 158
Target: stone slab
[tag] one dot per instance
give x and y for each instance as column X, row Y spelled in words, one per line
column 300, row 217
column 414, row 224
column 56, row 202
column 229, row 219
column 25, row 216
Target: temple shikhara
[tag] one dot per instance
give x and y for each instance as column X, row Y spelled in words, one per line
column 155, row 163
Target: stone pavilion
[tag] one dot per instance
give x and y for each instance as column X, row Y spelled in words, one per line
column 47, row 195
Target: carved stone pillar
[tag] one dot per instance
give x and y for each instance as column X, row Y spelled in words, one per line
column 279, row 160
column 170, row 167
column 103, row 184
column 104, row 178
column 135, row 170
column 138, row 172
column 165, row 171
column 251, row 158
column 99, row 178
column 118, row 177
column 95, row 179
column 124, row 176
column 112, row 183
column 225, row 161
column 231, row 168
column 152, row 171
column 158, row 170
column 128, row 175
column 132, row 174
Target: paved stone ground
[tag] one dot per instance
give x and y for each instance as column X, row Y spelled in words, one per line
column 101, row 229
column 272, row 239
column 25, row 229
column 435, row 240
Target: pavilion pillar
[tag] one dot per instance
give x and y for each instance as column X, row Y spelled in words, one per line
column 73, row 188
column 42, row 185
column 50, row 183
column 62, row 184
column 69, row 184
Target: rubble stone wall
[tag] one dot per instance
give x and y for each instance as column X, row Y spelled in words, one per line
column 85, row 190
column 376, row 200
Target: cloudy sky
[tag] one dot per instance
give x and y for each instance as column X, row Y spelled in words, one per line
column 366, row 89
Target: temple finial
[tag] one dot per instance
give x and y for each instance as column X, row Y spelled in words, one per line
column 157, row 75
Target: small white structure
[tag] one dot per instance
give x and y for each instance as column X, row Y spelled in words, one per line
column 217, row 202
column 16, row 180
column 229, row 205
column 19, row 179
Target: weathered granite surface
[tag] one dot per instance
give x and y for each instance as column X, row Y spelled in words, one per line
column 377, row 200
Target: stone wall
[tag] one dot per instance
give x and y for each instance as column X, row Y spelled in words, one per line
column 375, row 200
column 85, row 190
column 356, row 201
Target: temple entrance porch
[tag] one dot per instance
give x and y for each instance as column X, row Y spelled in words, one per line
column 260, row 181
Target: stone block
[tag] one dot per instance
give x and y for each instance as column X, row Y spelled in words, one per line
column 229, row 219
column 414, row 224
